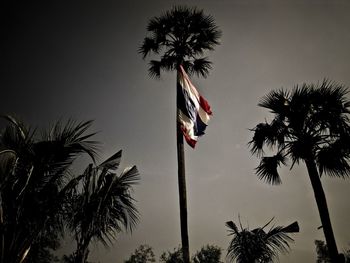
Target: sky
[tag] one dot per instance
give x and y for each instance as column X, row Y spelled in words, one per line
column 78, row 59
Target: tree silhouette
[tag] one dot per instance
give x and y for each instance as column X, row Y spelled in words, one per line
column 258, row 245
column 42, row 250
column 180, row 36
column 310, row 125
column 172, row 257
column 323, row 254
column 35, row 182
column 143, row 254
column 103, row 206
column 208, row 254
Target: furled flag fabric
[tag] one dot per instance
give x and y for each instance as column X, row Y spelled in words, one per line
column 194, row 111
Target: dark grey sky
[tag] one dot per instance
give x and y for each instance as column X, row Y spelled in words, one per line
column 78, row 59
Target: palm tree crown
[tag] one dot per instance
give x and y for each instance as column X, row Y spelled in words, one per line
column 310, row 123
column 183, row 35
column 258, row 245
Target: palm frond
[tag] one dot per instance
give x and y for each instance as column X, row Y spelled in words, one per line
column 112, row 162
column 201, row 67
column 277, row 102
column 154, row 69
column 149, row 45
column 232, row 228
column 265, row 134
column 332, row 159
column 292, row 228
column 8, row 159
column 267, row 169
column 73, row 138
column 23, row 131
column 278, row 237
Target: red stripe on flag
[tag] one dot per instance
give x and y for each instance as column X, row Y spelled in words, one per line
column 205, row 105
column 191, row 142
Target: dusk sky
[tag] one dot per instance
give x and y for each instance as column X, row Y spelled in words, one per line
column 79, row 60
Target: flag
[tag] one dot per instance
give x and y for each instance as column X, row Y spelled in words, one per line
column 193, row 110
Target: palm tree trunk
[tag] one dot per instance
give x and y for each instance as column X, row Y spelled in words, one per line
column 182, row 184
column 323, row 210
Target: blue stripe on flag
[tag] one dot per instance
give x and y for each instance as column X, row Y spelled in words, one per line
column 199, row 126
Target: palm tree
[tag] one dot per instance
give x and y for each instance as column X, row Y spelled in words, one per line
column 311, row 125
column 35, row 182
column 182, row 35
column 258, row 245
column 102, row 206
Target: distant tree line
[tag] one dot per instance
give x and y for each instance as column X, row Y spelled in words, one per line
column 145, row 254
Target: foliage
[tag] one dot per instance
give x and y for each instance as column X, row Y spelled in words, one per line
column 42, row 249
column 142, row 254
column 68, row 258
column 35, row 182
column 182, row 35
column 323, row 254
column 103, row 205
column 208, row 254
column 258, row 245
column 172, row 257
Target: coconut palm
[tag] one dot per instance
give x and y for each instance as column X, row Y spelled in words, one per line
column 310, row 124
column 180, row 36
column 35, row 181
column 258, row 245
column 103, row 206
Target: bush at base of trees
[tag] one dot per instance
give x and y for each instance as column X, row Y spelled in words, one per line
column 207, row 254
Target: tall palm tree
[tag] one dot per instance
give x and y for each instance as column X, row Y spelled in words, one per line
column 103, row 206
column 35, row 181
column 258, row 245
column 310, row 125
column 181, row 36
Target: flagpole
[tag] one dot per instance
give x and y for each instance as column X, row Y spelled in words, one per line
column 182, row 181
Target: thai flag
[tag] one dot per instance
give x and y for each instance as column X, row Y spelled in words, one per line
column 193, row 110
